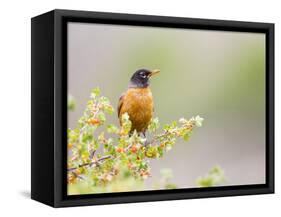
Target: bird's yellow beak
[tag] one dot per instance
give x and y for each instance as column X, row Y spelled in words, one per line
column 154, row 72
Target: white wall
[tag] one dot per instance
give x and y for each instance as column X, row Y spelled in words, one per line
column 15, row 106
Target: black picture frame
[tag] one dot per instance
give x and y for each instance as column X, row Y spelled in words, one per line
column 49, row 107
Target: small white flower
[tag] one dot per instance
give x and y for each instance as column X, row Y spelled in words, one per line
column 168, row 147
column 142, row 140
column 198, row 121
column 182, row 120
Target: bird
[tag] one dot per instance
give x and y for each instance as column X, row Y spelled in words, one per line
column 137, row 101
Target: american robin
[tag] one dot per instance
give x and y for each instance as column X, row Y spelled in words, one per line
column 137, row 101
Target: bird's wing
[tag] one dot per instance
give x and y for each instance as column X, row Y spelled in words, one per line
column 120, row 103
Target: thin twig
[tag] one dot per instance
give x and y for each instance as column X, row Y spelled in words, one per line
column 92, row 154
column 170, row 132
column 77, row 176
column 90, row 163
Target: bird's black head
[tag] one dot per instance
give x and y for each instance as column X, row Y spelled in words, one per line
column 141, row 77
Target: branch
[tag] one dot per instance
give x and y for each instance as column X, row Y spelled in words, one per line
column 90, row 163
column 188, row 126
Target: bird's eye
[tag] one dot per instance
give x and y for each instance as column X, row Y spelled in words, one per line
column 142, row 74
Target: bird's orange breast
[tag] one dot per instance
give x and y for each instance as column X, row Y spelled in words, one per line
column 138, row 103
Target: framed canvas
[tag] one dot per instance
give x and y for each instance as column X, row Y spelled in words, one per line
column 106, row 130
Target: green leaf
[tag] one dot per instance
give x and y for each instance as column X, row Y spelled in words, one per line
column 87, row 137
column 108, row 109
column 126, row 123
column 186, row 137
column 154, row 125
column 101, row 116
column 214, row 177
column 112, row 129
column 160, row 151
column 71, row 103
column 95, row 92
column 151, row 152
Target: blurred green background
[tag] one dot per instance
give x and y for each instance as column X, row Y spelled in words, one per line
column 215, row 74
